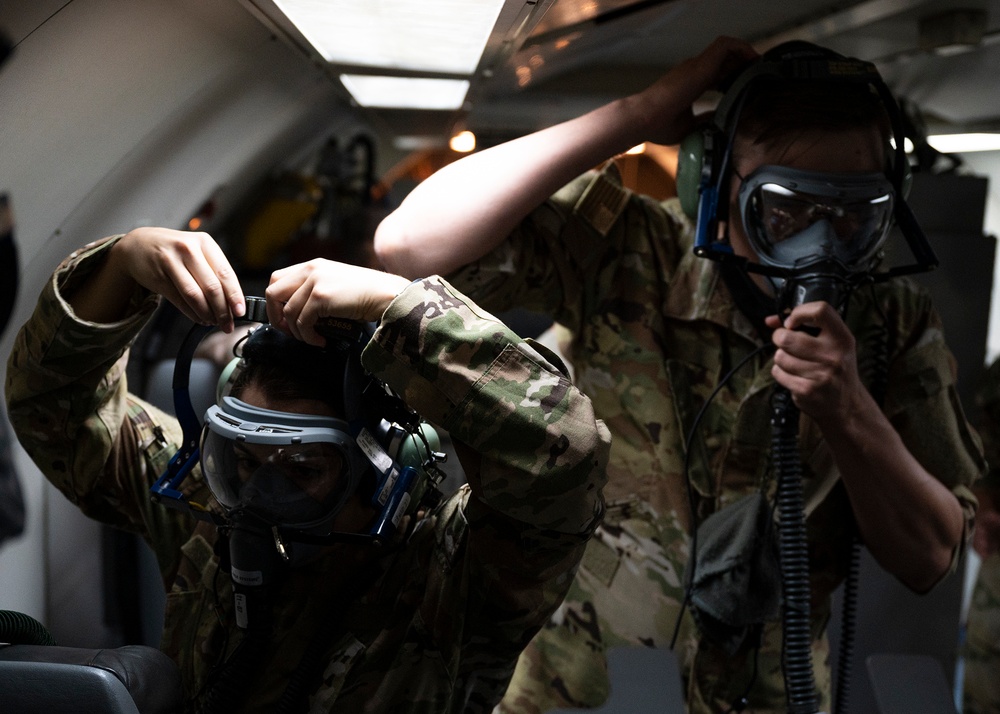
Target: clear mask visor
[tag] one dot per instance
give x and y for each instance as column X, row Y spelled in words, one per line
column 290, row 470
column 797, row 219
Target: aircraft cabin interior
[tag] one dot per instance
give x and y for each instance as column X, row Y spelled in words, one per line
column 289, row 129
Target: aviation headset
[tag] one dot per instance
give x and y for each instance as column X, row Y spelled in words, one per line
column 704, row 170
column 381, row 439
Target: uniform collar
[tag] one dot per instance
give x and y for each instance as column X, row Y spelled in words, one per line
column 697, row 290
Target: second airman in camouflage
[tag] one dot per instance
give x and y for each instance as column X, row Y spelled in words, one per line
column 981, row 690
column 658, row 338
column 432, row 621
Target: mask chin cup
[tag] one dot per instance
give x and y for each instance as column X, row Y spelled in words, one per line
column 809, row 269
column 817, row 287
column 254, row 560
column 389, row 516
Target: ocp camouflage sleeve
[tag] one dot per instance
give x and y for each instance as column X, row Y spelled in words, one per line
column 574, row 250
column 536, row 497
column 544, row 452
column 69, row 404
column 922, row 400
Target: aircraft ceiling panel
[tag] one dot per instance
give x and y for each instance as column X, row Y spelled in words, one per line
column 668, row 31
column 559, row 72
column 958, row 92
column 20, row 19
column 573, row 55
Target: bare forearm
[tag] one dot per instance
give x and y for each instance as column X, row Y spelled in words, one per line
column 909, row 520
column 469, row 207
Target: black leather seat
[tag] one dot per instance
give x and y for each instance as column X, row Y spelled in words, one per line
column 46, row 679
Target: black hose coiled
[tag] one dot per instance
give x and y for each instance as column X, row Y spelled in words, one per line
column 16, row 628
column 230, row 687
column 800, row 686
column 875, row 370
column 295, row 698
column 848, row 627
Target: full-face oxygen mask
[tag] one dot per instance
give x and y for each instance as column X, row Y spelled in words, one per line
column 816, row 235
column 291, row 474
column 819, row 233
column 292, row 470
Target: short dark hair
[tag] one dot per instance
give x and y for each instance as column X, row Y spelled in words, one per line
column 775, row 111
column 287, row 368
column 778, row 108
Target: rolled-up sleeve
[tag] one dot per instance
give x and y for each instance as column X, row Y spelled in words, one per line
column 923, row 405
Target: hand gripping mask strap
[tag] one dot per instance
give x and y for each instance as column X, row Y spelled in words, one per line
column 378, row 426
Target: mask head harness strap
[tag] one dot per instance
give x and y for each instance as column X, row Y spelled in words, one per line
column 795, row 61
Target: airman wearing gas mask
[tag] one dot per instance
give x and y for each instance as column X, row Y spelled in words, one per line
column 306, row 561
column 794, row 188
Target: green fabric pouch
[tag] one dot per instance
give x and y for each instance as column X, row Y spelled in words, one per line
column 737, row 578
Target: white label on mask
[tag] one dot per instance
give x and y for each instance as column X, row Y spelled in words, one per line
column 248, row 577
column 374, row 451
column 404, row 502
column 241, row 610
column 390, row 483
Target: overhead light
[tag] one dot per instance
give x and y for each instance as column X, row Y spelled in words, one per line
column 430, row 35
column 953, row 31
column 964, row 143
column 405, row 92
column 907, row 144
column 463, row 142
column 418, row 142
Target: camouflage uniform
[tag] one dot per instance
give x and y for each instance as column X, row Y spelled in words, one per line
column 982, row 645
column 650, row 330
column 441, row 618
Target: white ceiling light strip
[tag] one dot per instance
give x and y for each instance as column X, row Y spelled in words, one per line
column 964, row 143
column 445, row 36
column 405, row 92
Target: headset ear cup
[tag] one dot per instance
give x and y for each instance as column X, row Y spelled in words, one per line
column 414, row 447
column 690, row 158
column 226, row 379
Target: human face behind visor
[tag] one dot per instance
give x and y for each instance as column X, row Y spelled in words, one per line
column 801, row 220
column 287, row 468
column 854, row 151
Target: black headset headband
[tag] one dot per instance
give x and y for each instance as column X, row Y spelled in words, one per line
column 803, row 61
